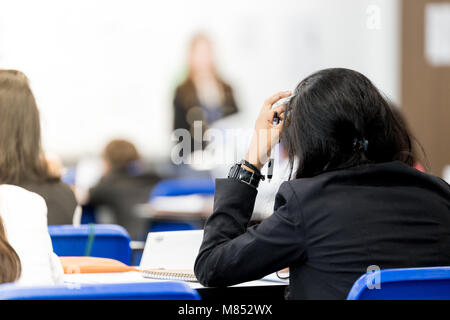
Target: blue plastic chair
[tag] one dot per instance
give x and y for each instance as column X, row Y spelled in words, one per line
column 88, row 215
column 123, row 291
column 403, row 284
column 161, row 226
column 95, row 240
column 183, row 187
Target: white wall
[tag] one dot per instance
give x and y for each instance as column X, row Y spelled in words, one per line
column 102, row 69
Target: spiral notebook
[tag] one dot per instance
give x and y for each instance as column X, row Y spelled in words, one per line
column 172, row 274
column 170, row 255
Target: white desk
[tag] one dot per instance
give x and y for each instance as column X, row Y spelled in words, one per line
column 135, row 276
column 270, row 287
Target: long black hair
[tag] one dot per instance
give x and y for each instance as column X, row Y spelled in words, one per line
column 338, row 119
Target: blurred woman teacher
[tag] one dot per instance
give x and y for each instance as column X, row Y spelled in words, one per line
column 203, row 95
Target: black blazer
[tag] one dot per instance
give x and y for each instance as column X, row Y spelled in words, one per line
column 186, row 100
column 59, row 198
column 328, row 229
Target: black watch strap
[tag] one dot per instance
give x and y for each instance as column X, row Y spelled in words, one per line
column 249, row 165
column 244, row 175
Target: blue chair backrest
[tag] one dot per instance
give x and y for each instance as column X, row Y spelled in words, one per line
column 95, row 240
column 124, row 291
column 183, row 187
column 403, row 284
column 88, row 215
column 161, row 226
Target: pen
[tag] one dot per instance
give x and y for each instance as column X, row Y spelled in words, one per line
column 275, row 121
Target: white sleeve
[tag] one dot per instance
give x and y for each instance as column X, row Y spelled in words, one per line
column 24, row 216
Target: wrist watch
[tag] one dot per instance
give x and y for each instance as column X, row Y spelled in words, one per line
column 239, row 173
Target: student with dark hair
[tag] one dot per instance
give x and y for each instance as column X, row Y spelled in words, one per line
column 353, row 201
column 123, row 185
column 10, row 267
column 22, row 161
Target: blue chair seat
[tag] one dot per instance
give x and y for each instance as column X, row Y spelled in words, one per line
column 431, row 283
column 123, row 291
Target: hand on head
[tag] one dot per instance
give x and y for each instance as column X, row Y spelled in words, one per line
column 266, row 135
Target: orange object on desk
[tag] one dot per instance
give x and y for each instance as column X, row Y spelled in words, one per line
column 93, row 265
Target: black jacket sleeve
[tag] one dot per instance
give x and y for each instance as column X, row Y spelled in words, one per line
column 231, row 253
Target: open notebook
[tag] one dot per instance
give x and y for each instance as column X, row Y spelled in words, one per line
column 171, row 255
column 172, row 274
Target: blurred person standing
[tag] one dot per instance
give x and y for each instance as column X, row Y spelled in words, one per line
column 203, row 95
column 124, row 184
column 22, row 161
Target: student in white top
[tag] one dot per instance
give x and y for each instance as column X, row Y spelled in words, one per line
column 24, row 216
column 23, row 165
column 22, row 160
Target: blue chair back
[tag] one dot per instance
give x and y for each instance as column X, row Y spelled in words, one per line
column 94, row 240
column 88, row 215
column 183, row 187
column 403, row 284
column 123, row 291
column 161, row 226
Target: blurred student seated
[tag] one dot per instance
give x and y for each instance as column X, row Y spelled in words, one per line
column 123, row 185
column 26, row 252
column 22, row 161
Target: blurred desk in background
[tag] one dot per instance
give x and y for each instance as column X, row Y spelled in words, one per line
column 189, row 207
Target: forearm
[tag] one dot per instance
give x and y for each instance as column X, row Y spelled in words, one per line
column 231, row 253
column 233, row 208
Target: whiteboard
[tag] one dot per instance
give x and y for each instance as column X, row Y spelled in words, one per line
column 102, row 69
